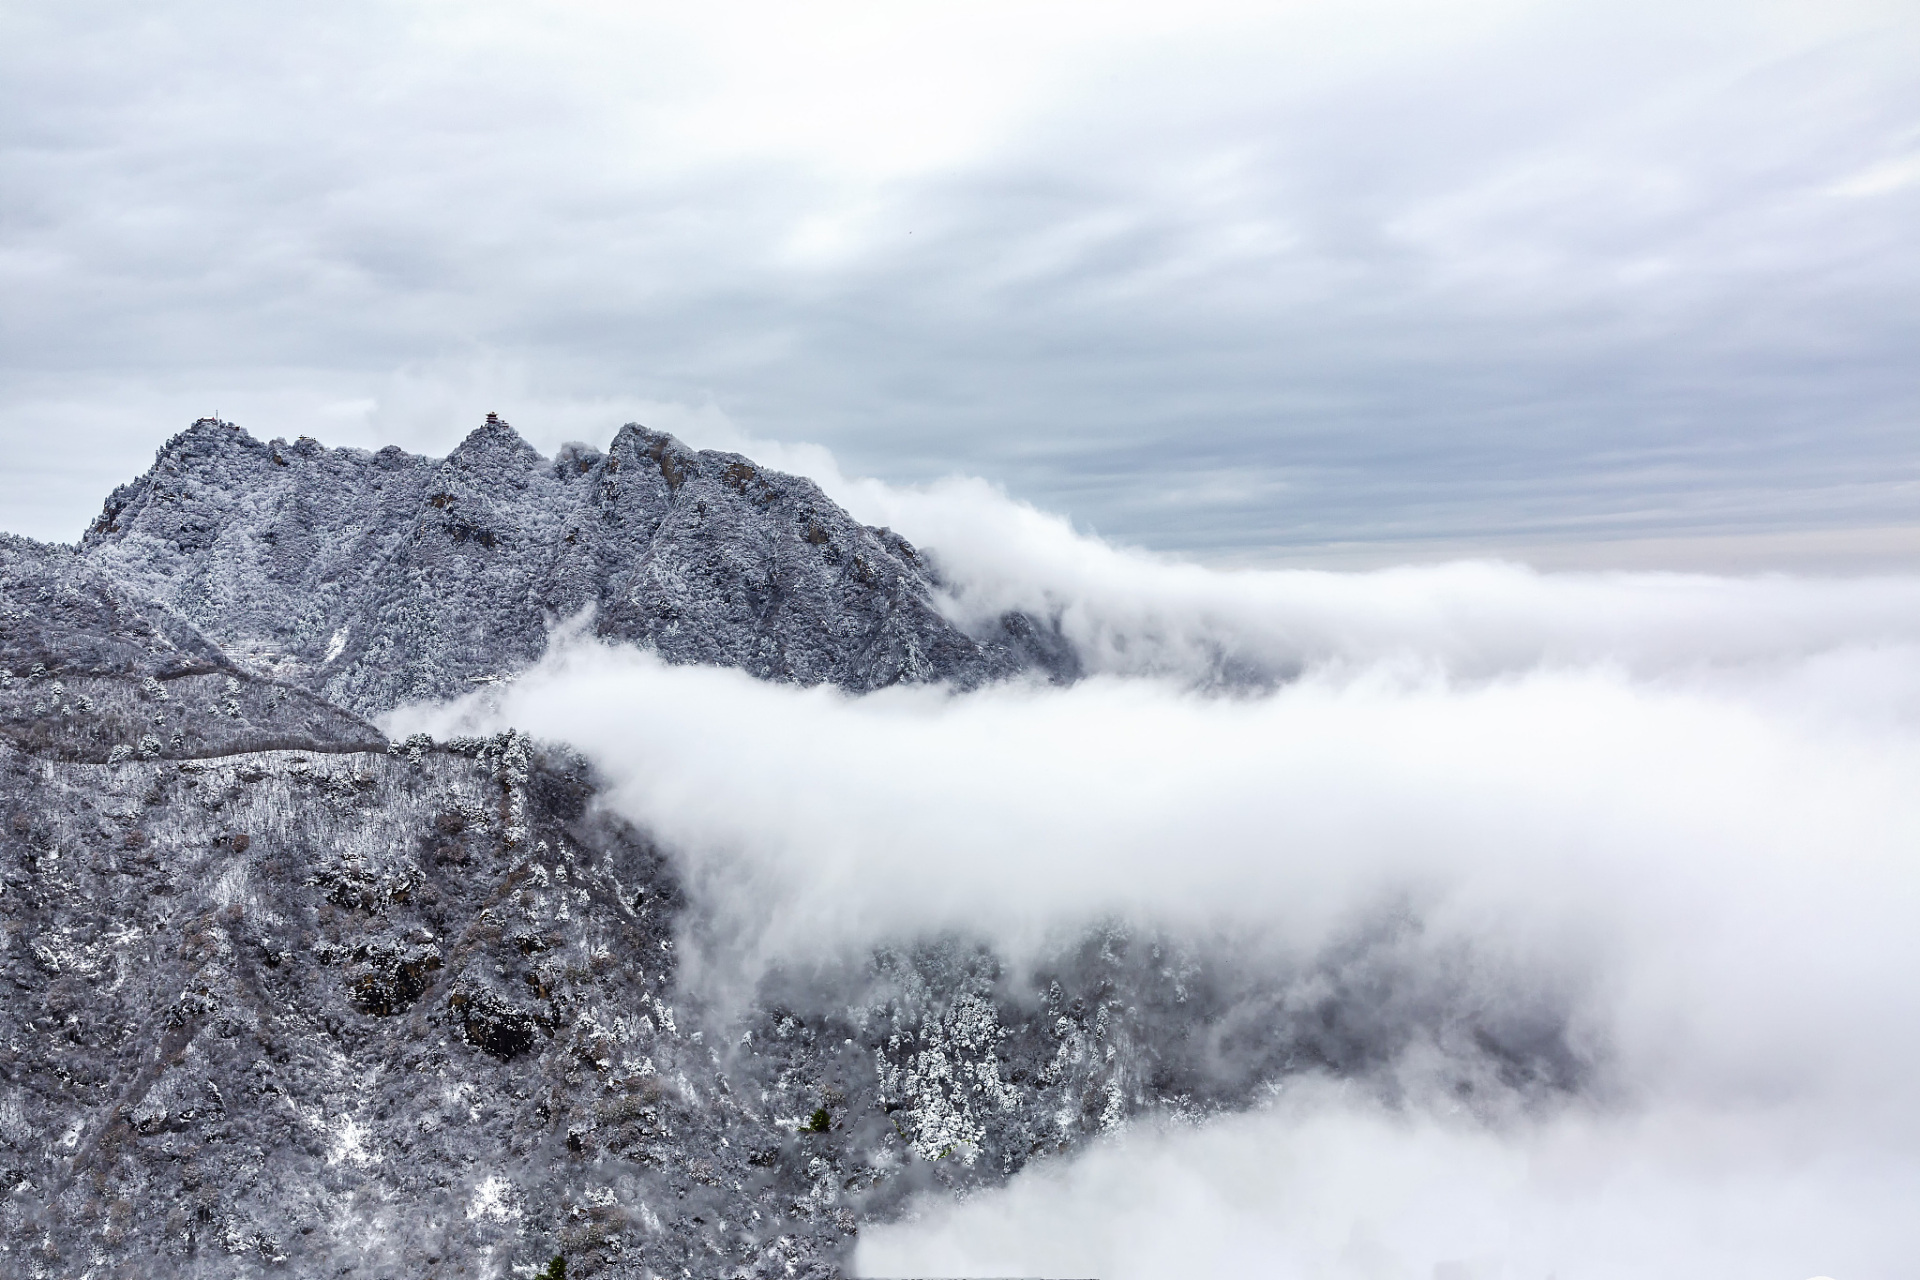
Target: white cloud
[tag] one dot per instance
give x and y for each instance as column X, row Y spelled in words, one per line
column 1330, row 1187
column 1679, row 827
column 1680, row 806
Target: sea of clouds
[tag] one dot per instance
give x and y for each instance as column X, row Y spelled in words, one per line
column 1687, row 806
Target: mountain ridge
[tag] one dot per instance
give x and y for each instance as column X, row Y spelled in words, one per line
column 381, row 578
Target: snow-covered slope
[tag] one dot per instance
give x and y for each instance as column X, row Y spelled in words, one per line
column 88, row 671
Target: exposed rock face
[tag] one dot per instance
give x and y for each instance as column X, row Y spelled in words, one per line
column 376, row 579
column 283, row 998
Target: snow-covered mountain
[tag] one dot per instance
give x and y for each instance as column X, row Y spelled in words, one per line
column 286, row 998
column 380, row 578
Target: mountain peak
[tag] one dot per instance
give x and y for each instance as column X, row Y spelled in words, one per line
column 495, row 439
column 206, row 435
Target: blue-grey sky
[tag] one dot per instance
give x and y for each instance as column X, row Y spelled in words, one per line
column 1592, row 283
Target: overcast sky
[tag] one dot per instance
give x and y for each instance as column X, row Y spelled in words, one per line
column 1590, row 283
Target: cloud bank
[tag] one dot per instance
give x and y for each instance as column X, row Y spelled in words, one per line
column 1334, row 1188
column 1132, row 612
column 1683, row 806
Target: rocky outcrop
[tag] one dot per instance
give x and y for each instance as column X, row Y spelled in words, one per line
column 380, row 578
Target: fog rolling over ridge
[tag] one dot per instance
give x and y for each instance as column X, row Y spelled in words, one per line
column 654, row 860
column 1664, row 824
